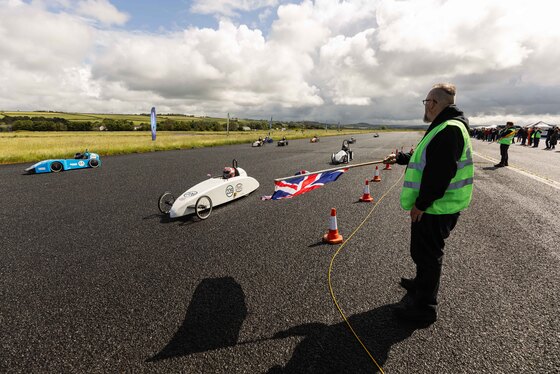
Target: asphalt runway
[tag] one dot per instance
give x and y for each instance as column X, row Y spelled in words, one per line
column 93, row 279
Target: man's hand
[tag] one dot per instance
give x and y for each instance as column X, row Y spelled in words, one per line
column 416, row 214
column 390, row 159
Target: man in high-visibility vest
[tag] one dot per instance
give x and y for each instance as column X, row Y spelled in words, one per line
column 505, row 138
column 437, row 187
column 536, row 135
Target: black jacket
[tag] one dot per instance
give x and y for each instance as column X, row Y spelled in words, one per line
column 442, row 155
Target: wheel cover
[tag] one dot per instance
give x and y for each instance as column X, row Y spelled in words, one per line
column 56, row 167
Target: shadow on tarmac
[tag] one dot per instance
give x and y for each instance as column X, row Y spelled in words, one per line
column 333, row 348
column 318, row 244
column 217, row 310
column 213, row 319
column 182, row 221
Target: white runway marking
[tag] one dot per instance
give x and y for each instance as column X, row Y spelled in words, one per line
column 548, row 182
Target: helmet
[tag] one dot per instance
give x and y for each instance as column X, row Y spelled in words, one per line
column 228, row 172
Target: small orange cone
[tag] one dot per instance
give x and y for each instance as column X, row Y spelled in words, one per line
column 387, row 167
column 366, row 197
column 332, row 237
column 376, row 176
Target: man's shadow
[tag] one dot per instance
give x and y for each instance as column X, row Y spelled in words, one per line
column 333, row 348
column 213, row 319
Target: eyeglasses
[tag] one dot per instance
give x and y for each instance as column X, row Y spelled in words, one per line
column 428, row 100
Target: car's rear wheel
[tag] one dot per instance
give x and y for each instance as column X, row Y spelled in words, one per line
column 56, row 167
column 93, row 162
column 165, row 202
column 203, row 207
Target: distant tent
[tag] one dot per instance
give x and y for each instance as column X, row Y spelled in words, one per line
column 541, row 125
column 246, row 128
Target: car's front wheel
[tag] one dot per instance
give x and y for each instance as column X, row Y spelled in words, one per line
column 56, row 167
column 165, row 202
column 93, row 162
column 203, row 207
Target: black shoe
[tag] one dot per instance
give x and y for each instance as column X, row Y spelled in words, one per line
column 500, row 165
column 506, row 164
column 411, row 312
column 407, row 284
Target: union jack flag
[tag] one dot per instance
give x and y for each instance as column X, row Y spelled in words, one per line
column 299, row 185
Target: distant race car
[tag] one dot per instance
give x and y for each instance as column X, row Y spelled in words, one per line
column 376, row 135
column 201, row 198
column 352, row 140
column 257, row 143
column 314, row 139
column 282, row 142
column 343, row 156
column 80, row 161
column 268, row 139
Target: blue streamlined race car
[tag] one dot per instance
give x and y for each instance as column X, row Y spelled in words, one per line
column 80, row 161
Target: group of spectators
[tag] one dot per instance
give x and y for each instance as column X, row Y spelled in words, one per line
column 526, row 136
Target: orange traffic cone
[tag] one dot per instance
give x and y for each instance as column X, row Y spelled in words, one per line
column 332, row 237
column 376, row 176
column 366, row 197
column 387, row 166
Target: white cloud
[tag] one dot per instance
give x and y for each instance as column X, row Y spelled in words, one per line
column 45, row 42
column 102, row 11
column 229, row 8
column 351, row 60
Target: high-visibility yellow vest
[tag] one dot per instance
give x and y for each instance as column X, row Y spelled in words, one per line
column 458, row 194
column 536, row 135
column 507, row 139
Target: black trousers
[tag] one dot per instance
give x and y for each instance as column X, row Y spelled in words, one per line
column 426, row 248
column 504, row 153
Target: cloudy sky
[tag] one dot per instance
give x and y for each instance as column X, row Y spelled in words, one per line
column 325, row 60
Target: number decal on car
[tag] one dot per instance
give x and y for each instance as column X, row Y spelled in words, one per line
column 188, row 194
column 229, row 191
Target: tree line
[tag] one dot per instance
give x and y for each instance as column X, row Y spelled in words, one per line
column 15, row 123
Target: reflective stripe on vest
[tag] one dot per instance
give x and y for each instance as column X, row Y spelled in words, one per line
column 507, row 139
column 459, row 192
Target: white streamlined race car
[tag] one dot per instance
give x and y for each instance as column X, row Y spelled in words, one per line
column 200, row 199
column 343, row 156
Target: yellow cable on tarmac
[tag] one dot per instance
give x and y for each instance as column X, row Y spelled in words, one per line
column 330, row 271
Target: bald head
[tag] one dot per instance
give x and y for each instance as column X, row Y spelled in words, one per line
column 440, row 97
column 444, row 93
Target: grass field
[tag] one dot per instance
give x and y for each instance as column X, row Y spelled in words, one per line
column 135, row 118
column 16, row 147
